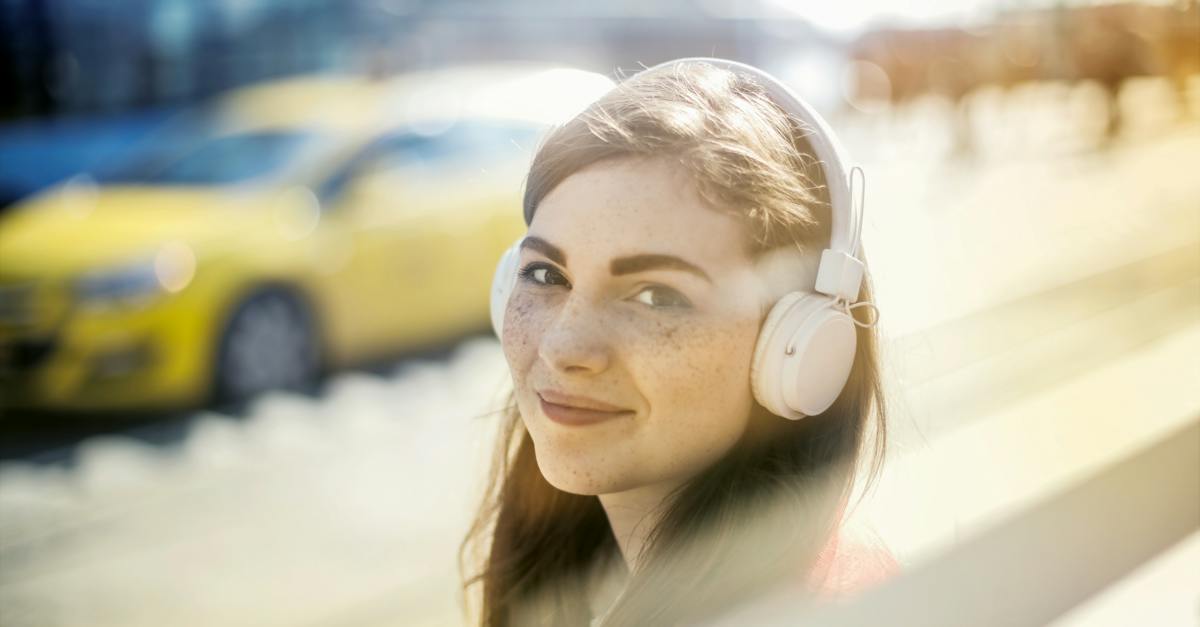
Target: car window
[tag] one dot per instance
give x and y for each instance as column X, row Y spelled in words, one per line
column 214, row 160
column 462, row 146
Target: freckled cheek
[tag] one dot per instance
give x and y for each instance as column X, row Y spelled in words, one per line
column 683, row 367
column 524, row 321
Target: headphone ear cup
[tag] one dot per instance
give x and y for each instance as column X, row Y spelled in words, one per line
column 503, row 282
column 764, row 378
column 760, row 377
column 821, row 340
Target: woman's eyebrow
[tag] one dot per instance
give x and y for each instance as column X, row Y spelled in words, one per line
column 621, row 265
column 552, row 252
column 642, row 263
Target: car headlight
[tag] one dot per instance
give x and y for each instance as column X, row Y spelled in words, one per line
column 132, row 284
column 170, row 269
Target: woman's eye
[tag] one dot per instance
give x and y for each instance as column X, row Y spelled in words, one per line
column 661, row 297
column 543, row 274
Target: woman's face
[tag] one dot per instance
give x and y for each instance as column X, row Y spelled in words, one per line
column 631, row 329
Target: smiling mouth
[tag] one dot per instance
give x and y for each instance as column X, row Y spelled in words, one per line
column 576, row 416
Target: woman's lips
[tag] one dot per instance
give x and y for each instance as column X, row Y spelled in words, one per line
column 566, row 414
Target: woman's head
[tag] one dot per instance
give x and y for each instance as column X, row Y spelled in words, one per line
column 658, row 218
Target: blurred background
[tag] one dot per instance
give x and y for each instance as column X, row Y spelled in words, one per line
column 246, row 372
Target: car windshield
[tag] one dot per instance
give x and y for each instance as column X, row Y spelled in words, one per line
column 213, row 160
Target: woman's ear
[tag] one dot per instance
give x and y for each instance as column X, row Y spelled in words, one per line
column 783, row 271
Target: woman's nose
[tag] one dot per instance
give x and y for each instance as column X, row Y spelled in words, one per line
column 576, row 341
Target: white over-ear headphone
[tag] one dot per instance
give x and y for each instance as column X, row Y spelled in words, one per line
column 806, row 345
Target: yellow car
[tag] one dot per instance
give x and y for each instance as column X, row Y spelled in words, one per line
column 316, row 222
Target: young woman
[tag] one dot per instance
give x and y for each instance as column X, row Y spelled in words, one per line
column 691, row 393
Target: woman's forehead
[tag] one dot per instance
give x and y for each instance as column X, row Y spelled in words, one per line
column 637, row 205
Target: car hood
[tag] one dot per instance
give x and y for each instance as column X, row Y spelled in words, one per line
column 73, row 229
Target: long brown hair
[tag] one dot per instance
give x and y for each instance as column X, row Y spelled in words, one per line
column 760, row 514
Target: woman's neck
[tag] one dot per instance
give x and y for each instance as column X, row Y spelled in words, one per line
column 633, row 514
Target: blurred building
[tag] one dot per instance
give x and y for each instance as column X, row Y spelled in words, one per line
column 75, row 56
column 67, row 56
column 114, row 64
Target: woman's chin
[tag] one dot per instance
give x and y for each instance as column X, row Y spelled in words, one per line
column 575, row 477
column 574, row 486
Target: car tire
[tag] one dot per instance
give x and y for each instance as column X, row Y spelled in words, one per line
column 269, row 342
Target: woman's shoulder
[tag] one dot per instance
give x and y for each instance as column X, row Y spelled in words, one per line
column 854, row 558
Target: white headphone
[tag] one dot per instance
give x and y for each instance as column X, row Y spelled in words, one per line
column 806, row 345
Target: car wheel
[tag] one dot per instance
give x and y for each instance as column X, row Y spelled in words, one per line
column 270, row 342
